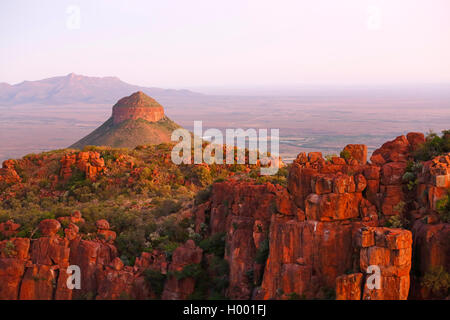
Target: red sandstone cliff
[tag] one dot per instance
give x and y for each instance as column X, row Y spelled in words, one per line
column 137, row 106
column 314, row 239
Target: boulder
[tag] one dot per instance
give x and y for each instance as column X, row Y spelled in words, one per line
column 49, row 227
column 102, row 224
column 397, row 150
column 415, row 139
column 357, row 152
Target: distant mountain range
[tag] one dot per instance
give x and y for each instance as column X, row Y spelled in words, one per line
column 75, row 88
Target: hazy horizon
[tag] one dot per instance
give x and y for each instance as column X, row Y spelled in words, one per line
column 286, row 90
column 326, row 73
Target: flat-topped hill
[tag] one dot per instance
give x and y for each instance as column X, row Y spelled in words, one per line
column 136, row 120
column 137, row 106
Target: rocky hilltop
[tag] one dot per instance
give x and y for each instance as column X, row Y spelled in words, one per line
column 136, row 120
column 309, row 233
column 137, row 106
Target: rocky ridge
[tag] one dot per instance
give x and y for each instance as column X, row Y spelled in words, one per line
column 314, row 239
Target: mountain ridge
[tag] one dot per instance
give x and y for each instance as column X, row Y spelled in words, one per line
column 74, row 88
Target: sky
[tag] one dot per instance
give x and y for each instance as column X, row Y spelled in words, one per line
column 233, row 43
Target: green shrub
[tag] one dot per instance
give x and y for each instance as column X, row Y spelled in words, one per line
column 443, row 207
column 212, row 283
column 250, row 274
column 219, row 266
column 77, row 179
column 167, row 207
column 156, row 281
column 169, row 247
column 190, row 271
column 9, row 249
column 408, row 176
column 125, row 296
column 263, row 252
column 28, row 219
column 411, row 185
column 202, row 286
column 345, row 154
column 174, row 230
column 44, row 183
column 328, row 293
column 434, row 146
column 437, row 280
column 202, row 175
column 394, row 222
column 197, row 295
column 399, row 207
column 214, row 244
column 329, row 157
column 294, row 296
column 86, row 296
column 203, row 195
column 131, row 243
column 279, row 178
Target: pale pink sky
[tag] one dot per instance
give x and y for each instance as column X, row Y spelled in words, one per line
column 228, row 43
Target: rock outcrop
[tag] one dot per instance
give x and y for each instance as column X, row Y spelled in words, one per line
column 243, row 211
column 357, row 152
column 388, row 251
column 90, row 163
column 323, row 236
column 384, row 263
column 37, row 269
column 137, row 106
column 8, row 173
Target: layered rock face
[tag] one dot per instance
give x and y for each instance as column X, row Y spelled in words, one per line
column 243, row 211
column 308, row 253
column 137, row 106
column 384, row 251
column 36, row 269
column 330, row 238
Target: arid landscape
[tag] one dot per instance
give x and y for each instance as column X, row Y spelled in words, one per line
column 110, row 190
column 324, row 121
column 138, row 226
